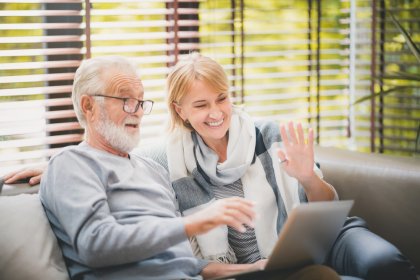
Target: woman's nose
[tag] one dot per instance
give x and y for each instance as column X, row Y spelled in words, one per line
column 215, row 113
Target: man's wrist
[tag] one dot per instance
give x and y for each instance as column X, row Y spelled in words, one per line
column 192, row 227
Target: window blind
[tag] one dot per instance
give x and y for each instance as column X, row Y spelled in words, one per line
column 396, row 115
column 307, row 61
column 153, row 34
column 387, row 123
column 287, row 60
column 40, row 47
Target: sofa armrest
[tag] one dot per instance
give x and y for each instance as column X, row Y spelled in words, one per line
column 15, row 189
column 28, row 246
column 386, row 190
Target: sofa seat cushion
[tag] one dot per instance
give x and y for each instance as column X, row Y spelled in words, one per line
column 29, row 249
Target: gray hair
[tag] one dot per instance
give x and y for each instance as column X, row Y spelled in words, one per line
column 88, row 79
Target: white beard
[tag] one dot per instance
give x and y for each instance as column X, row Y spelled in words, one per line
column 117, row 136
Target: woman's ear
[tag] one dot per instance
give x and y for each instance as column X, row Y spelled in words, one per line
column 179, row 110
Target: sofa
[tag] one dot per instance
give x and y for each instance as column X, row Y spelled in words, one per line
column 386, row 191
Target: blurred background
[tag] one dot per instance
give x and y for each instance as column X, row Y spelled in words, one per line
column 349, row 69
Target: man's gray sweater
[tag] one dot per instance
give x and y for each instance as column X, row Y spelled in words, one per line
column 116, row 217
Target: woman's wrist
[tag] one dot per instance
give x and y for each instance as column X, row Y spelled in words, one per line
column 317, row 189
column 309, row 180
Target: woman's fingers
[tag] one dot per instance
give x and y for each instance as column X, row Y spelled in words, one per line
column 301, row 135
column 281, row 155
column 311, row 139
column 13, row 177
column 295, row 136
column 33, row 173
column 284, row 137
column 292, row 133
column 290, row 138
column 9, row 175
column 35, row 180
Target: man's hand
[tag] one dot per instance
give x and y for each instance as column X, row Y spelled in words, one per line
column 33, row 173
column 233, row 211
column 260, row 265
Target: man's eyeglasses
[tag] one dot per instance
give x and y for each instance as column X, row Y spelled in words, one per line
column 132, row 105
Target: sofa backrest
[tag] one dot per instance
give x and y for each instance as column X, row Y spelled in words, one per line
column 386, row 190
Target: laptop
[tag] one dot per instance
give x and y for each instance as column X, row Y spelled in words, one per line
column 307, row 235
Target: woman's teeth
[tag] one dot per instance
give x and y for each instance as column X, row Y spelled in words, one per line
column 215, row 123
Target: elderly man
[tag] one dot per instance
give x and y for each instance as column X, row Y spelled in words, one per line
column 115, row 214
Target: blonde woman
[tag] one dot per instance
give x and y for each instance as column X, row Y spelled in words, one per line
column 216, row 150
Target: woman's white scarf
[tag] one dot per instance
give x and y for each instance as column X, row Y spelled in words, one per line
column 192, row 166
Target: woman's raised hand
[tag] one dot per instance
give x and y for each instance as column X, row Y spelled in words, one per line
column 297, row 154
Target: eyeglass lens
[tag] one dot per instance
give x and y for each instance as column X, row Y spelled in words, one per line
column 132, row 105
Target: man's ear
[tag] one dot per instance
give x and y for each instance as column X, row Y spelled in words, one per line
column 86, row 104
column 179, row 110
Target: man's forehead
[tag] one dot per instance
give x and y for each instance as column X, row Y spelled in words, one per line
column 131, row 89
column 125, row 84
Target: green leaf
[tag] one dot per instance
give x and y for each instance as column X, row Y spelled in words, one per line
column 401, row 76
column 408, row 76
column 414, row 49
column 381, row 93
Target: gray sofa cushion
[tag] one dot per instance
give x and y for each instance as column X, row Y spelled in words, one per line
column 28, row 247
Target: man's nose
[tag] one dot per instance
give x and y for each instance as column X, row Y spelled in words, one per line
column 139, row 113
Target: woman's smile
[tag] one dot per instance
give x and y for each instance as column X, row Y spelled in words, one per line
column 215, row 123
